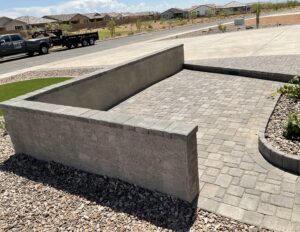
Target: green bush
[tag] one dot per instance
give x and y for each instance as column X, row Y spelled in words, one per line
column 292, row 89
column 222, row 28
column 292, row 127
column 111, row 26
column 138, row 25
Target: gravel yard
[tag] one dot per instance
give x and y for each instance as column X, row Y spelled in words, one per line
column 41, row 196
column 72, row 72
column 274, row 132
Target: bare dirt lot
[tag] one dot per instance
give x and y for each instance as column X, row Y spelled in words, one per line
column 276, row 20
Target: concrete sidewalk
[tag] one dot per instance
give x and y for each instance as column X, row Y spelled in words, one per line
column 271, row 41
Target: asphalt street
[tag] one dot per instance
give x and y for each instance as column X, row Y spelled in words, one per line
column 12, row 64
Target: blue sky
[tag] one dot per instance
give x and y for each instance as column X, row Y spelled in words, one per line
column 15, row 8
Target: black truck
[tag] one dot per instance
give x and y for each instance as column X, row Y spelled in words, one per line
column 58, row 39
column 12, row 44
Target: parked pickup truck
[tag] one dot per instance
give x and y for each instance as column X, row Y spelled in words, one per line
column 57, row 38
column 12, row 44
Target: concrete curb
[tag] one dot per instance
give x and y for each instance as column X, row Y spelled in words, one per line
column 241, row 72
column 284, row 161
column 281, row 160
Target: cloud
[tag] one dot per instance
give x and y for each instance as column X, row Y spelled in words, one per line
column 82, row 6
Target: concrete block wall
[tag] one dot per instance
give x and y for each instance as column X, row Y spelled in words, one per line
column 103, row 89
column 155, row 154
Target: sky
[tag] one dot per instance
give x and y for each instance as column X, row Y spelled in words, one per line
column 16, row 8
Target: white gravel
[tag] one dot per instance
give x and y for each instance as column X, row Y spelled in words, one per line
column 71, row 72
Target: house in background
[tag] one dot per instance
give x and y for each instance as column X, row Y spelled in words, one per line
column 174, row 13
column 202, row 10
column 35, row 21
column 69, row 18
column 97, row 17
column 8, row 24
column 235, row 7
column 115, row 16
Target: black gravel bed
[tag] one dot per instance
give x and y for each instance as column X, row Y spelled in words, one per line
column 275, row 129
column 46, row 196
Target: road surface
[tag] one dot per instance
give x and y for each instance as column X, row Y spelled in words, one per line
column 8, row 65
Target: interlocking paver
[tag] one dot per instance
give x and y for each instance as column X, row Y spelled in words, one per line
column 266, row 208
column 229, row 110
column 248, row 181
column 249, row 202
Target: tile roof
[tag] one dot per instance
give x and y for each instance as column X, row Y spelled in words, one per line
column 63, row 17
column 4, row 21
column 234, row 4
column 30, row 20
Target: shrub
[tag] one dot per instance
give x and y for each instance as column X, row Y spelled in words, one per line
column 292, row 89
column 111, row 26
column 65, row 28
column 292, row 127
column 138, row 25
column 222, row 28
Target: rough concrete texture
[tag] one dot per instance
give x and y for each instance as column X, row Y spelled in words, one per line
column 155, row 154
column 104, row 89
column 235, row 180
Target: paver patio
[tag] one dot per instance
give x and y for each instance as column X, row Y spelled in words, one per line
column 235, row 180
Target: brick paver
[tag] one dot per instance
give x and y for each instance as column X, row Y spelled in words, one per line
column 285, row 64
column 235, row 181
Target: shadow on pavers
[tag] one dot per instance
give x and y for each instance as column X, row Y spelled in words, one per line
column 157, row 208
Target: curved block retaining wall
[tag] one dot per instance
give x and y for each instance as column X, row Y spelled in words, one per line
column 284, row 161
column 60, row 124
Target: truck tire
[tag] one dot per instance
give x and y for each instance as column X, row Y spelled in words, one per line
column 69, row 46
column 44, row 49
column 84, row 43
column 92, row 41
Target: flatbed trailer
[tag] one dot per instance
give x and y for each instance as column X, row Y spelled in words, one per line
column 70, row 41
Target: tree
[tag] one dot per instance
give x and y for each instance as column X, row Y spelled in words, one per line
column 65, row 27
column 258, row 9
column 210, row 13
column 192, row 16
column 111, row 25
column 138, row 25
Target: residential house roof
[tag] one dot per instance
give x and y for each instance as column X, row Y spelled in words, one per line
column 175, row 11
column 30, row 20
column 234, row 4
column 196, row 7
column 94, row 15
column 63, row 17
column 5, row 20
column 114, row 15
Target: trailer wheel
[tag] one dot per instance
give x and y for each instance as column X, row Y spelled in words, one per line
column 43, row 49
column 92, row 41
column 85, row 43
column 69, row 46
